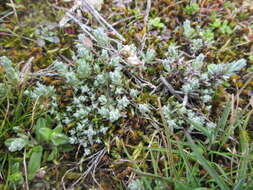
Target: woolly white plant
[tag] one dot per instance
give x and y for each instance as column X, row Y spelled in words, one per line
column 100, row 93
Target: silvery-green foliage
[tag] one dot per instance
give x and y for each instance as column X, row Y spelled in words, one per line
column 98, row 95
column 41, row 90
column 226, row 70
column 102, row 99
column 101, row 37
column 83, row 69
column 234, row 67
column 116, row 77
column 119, row 90
column 123, row 102
column 11, row 73
column 134, row 93
column 188, row 30
column 198, row 62
column 114, row 114
column 85, row 133
column 109, row 112
column 173, row 52
column 144, row 108
column 178, row 116
column 173, row 55
column 104, row 55
column 167, row 64
column 191, row 85
column 136, row 184
column 44, row 33
column 61, row 67
column 104, row 111
column 70, row 76
column 198, row 77
column 203, row 37
column 149, row 56
column 115, row 61
column 82, row 52
column 196, row 45
column 101, row 79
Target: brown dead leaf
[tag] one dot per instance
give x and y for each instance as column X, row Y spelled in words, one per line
column 86, row 41
column 130, row 55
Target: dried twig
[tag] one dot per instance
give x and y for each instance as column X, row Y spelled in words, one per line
column 93, row 164
column 170, row 88
column 66, row 18
column 25, row 71
column 100, row 19
column 146, row 23
column 25, row 169
column 174, row 92
column 84, row 27
column 14, row 10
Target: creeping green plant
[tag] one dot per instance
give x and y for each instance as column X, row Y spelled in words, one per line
column 54, row 137
column 16, row 176
column 223, row 26
column 43, row 134
column 192, row 9
column 156, row 23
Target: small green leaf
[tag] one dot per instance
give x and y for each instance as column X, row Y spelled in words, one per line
column 181, row 186
column 217, row 23
column 59, row 139
column 35, row 161
column 45, row 133
column 18, row 1
column 192, row 9
column 53, row 154
column 58, row 129
column 16, row 178
column 41, row 123
column 156, row 23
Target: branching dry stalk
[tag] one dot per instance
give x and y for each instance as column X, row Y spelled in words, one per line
column 171, row 89
column 91, row 169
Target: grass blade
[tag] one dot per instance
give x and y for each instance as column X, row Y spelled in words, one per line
column 245, row 149
column 206, row 165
